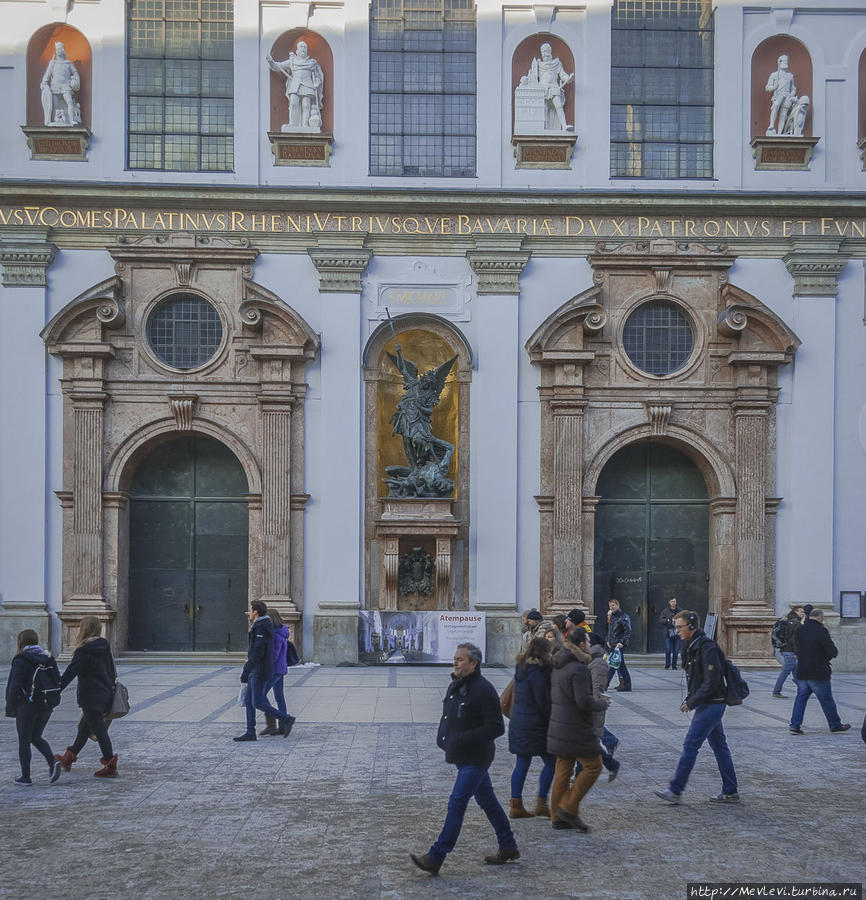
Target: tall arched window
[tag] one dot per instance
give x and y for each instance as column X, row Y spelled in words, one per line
column 180, row 109
column 661, row 89
column 422, row 87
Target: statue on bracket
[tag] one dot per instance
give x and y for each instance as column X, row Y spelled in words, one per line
column 787, row 110
column 304, row 82
column 58, row 87
column 429, row 457
column 540, row 96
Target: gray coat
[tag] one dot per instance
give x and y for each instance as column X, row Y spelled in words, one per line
column 571, row 733
column 598, row 674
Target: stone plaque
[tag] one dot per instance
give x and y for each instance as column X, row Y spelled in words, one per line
column 549, row 151
column 435, row 298
column 783, row 152
column 69, row 143
column 301, row 149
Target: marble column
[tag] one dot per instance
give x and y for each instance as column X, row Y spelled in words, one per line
column 335, row 624
column 568, row 505
column 23, row 488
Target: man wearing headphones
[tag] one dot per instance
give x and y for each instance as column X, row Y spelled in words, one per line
column 704, row 665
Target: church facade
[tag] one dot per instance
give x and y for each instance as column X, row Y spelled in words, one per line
column 235, row 236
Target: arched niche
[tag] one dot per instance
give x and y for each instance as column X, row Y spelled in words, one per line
column 764, row 62
column 861, row 97
column 40, row 51
column 319, row 49
column 530, row 48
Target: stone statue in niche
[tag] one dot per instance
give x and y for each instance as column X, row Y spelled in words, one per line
column 58, row 87
column 787, row 110
column 429, row 457
column 304, row 83
column 539, row 99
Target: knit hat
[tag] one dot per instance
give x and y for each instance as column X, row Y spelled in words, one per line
column 576, row 615
column 807, row 610
column 534, row 616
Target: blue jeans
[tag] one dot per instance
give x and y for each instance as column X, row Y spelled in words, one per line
column 521, row 770
column 789, row 667
column 472, row 781
column 706, row 726
column 275, row 684
column 623, row 674
column 824, row 693
column 256, row 699
column 672, row 650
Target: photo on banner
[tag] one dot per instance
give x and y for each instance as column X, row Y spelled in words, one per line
column 407, row 637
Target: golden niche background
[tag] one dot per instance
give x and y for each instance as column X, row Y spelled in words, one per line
column 427, row 351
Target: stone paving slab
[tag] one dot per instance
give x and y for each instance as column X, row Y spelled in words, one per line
column 333, row 810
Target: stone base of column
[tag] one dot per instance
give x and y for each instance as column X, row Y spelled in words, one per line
column 291, row 615
column 748, row 639
column 504, row 628
column 335, row 634
column 75, row 608
column 14, row 618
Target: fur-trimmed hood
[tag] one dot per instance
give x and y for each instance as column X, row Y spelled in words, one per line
column 569, row 651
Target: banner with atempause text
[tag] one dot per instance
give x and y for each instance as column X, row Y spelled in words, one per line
column 390, row 637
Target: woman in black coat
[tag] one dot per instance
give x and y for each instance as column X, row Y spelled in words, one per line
column 527, row 729
column 93, row 666
column 30, row 718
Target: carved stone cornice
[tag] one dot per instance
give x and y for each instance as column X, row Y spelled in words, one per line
column 498, row 272
column 340, row 270
column 25, row 263
column 815, row 269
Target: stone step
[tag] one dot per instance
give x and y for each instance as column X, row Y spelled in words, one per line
column 180, row 658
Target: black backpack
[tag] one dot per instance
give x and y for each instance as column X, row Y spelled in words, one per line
column 45, row 692
column 736, row 689
column 779, row 635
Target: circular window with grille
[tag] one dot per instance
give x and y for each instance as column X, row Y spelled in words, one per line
column 658, row 338
column 184, row 331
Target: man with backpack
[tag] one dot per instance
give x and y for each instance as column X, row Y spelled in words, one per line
column 782, row 639
column 707, row 694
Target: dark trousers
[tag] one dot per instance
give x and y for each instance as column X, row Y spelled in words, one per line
column 672, row 648
column 92, row 721
column 31, row 723
column 623, row 674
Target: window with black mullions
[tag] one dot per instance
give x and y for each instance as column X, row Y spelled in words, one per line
column 180, row 85
column 658, row 338
column 184, row 331
column 661, row 116
column 422, row 87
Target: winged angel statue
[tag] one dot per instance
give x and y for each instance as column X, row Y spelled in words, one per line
column 429, row 457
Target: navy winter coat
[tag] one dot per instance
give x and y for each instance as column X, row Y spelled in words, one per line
column 21, row 679
column 93, row 665
column 814, row 648
column 704, row 670
column 471, row 721
column 530, row 712
column 260, row 650
column 619, row 629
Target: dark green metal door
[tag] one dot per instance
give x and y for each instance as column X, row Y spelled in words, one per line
column 188, row 549
column 651, row 538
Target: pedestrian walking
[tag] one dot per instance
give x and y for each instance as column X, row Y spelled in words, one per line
column 29, row 709
column 571, row 736
column 527, row 728
column 258, row 671
column 785, row 652
column 704, row 665
column 598, row 673
column 815, row 648
column 471, row 721
column 672, row 642
column 618, row 637
column 93, row 665
column 281, row 666
column 531, row 622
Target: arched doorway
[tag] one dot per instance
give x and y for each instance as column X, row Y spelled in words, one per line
column 188, row 539
column 651, row 538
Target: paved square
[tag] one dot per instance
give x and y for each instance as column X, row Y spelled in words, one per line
column 333, row 810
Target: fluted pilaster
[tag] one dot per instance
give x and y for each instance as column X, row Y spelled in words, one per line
column 751, row 452
column 568, row 506
column 88, row 414
column 276, row 497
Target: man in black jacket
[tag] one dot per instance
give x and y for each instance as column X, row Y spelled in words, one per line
column 471, row 721
column 704, row 665
column 815, row 648
column 672, row 642
column 618, row 636
column 258, row 670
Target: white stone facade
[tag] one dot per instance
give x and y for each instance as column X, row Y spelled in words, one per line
column 497, row 257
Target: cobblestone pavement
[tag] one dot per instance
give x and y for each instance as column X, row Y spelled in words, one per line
column 334, row 809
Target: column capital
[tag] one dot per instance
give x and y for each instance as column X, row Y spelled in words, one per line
column 25, row 260
column 815, row 268
column 340, row 268
column 498, row 271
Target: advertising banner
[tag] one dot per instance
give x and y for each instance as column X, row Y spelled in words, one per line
column 390, row 637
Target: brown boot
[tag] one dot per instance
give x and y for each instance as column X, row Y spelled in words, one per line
column 66, row 760
column 517, row 811
column 541, row 807
column 270, row 727
column 109, row 768
column 502, row 856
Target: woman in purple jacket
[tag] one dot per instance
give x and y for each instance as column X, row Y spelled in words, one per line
column 281, row 643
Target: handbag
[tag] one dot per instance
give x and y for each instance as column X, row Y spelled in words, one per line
column 506, row 701
column 119, row 702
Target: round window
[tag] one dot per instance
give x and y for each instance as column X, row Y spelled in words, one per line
column 658, row 338
column 184, row 331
